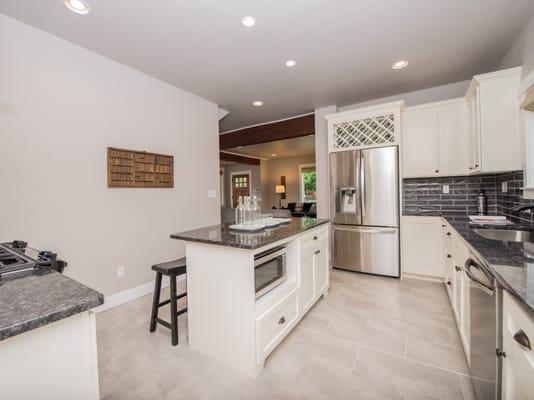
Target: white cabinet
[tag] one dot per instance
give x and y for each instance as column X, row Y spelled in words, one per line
column 314, row 268
column 495, row 134
column 422, row 246
column 435, row 139
column 518, row 365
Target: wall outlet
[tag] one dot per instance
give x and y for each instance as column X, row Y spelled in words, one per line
column 445, row 189
column 121, row 271
column 212, row 194
column 504, row 187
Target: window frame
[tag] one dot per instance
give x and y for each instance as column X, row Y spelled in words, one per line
column 301, row 182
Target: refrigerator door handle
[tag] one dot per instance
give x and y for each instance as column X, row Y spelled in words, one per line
column 365, row 230
column 362, row 183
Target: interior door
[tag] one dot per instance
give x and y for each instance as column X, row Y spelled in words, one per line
column 380, row 186
column 345, row 201
column 366, row 249
column 240, row 187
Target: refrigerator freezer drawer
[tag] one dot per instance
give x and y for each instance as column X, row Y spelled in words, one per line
column 366, row 249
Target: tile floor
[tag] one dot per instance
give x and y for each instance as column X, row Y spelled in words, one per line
column 370, row 338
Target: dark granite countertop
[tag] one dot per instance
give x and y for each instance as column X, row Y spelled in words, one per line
column 37, row 298
column 511, row 263
column 222, row 235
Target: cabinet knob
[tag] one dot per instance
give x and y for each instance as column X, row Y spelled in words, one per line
column 457, row 268
column 282, row 321
column 476, row 165
column 317, row 251
column 437, row 171
column 448, row 234
column 500, row 353
column 315, row 238
column 449, row 283
column 443, row 226
column 522, row 338
column 449, row 256
column 471, row 168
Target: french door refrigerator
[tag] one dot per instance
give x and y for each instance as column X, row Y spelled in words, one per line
column 365, row 210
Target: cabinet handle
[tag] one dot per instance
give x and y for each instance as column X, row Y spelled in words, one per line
column 317, row 251
column 448, row 234
column 457, row 268
column 476, row 165
column 449, row 283
column 471, row 168
column 315, row 238
column 282, row 321
column 443, row 226
column 449, row 256
column 437, row 171
column 500, row 353
column 522, row 338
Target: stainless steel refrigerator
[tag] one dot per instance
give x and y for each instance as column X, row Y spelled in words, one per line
column 365, row 210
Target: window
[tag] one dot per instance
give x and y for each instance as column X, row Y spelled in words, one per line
column 307, row 176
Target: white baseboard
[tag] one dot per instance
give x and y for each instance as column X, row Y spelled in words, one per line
column 422, row 277
column 131, row 294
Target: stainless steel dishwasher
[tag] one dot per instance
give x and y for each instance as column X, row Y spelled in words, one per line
column 485, row 310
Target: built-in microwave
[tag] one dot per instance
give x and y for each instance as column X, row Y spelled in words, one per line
column 269, row 270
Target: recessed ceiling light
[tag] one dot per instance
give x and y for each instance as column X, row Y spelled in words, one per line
column 291, row 63
column 400, row 64
column 78, row 6
column 273, row 155
column 248, row 21
column 257, row 103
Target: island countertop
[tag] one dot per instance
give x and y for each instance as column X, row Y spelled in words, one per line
column 222, row 235
column 40, row 297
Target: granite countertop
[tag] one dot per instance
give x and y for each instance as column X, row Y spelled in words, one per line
column 37, row 298
column 222, row 235
column 510, row 262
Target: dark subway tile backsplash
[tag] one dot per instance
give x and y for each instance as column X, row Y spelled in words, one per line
column 425, row 195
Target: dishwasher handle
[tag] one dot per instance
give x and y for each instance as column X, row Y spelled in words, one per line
column 470, row 263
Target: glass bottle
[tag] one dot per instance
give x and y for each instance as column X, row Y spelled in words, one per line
column 246, row 211
column 255, row 209
column 239, row 211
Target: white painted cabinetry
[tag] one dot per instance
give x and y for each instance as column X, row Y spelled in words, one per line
column 495, row 144
column 518, row 365
column 435, row 139
column 422, row 246
column 314, row 269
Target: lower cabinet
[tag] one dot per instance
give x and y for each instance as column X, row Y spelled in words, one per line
column 307, row 288
column 314, row 270
column 518, row 345
column 422, row 246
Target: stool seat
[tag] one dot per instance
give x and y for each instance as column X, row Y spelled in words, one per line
column 172, row 269
column 177, row 267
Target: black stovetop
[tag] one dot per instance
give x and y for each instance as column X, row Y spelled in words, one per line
column 16, row 256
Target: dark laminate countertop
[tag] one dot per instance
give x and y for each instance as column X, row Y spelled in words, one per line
column 511, row 263
column 221, row 235
column 37, row 298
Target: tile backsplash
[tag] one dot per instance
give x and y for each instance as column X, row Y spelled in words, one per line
column 425, row 195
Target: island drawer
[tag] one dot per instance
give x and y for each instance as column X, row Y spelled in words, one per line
column 314, row 237
column 274, row 325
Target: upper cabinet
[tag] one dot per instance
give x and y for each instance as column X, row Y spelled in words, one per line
column 435, row 139
column 527, row 125
column 495, row 144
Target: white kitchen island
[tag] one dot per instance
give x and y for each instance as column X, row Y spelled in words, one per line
column 225, row 320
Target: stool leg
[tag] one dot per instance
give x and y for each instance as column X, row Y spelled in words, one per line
column 155, row 302
column 174, row 310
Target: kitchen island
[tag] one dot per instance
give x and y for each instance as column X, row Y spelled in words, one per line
column 227, row 320
column 47, row 337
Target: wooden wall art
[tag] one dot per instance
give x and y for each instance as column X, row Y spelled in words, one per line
column 139, row 169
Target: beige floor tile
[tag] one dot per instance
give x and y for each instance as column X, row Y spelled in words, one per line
column 437, row 355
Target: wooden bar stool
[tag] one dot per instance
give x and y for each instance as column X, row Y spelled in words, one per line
column 172, row 269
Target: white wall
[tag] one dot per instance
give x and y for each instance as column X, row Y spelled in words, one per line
column 521, row 51
column 61, row 106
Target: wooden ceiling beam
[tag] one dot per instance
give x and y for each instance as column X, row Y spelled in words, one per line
column 239, row 159
column 287, row 129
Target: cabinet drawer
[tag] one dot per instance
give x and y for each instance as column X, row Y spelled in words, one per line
column 274, row 325
column 313, row 237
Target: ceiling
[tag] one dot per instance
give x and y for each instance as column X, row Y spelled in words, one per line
column 300, row 146
column 344, row 49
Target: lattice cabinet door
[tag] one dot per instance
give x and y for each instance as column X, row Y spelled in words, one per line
column 376, row 126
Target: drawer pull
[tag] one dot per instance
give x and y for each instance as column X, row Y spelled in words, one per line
column 315, row 238
column 282, row 321
column 437, row 171
column 443, row 226
column 449, row 283
column 449, row 256
column 457, row 268
column 448, row 234
column 317, row 251
column 522, row 338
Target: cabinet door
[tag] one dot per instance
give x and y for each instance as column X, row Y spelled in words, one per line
column 307, row 281
column 422, row 246
column 320, row 261
column 454, row 138
column 420, row 140
column 474, row 136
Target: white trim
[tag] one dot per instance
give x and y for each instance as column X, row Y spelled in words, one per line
column 131, row 294
column 267, row 123
column 370, row 111
column 301, row 182
column 249, row 173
